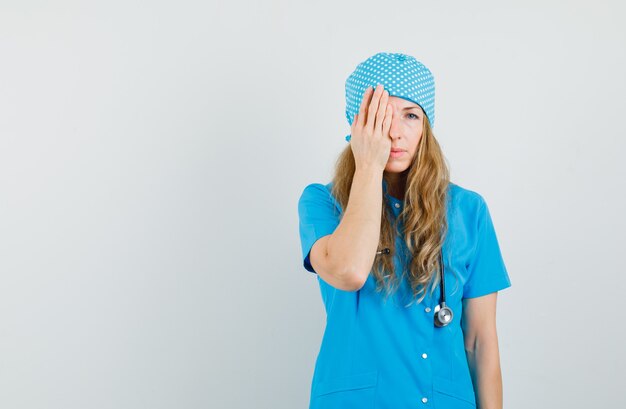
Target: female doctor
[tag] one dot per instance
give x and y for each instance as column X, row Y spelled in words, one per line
column 408, row 263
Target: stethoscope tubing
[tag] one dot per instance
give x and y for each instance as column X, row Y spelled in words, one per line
column 443, row 313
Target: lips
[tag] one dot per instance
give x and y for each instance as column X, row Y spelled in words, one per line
column 397, row 150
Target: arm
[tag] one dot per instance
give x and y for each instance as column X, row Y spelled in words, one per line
column 481, row 348
column 345, row 258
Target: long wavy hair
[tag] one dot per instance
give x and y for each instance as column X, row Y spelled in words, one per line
column 423, row 216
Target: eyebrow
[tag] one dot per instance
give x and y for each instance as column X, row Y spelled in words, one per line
column 405, row 108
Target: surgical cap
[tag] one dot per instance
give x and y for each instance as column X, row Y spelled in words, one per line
column 401, row 75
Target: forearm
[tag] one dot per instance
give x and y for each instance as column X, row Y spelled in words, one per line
column 354, row 243
column 484, row 364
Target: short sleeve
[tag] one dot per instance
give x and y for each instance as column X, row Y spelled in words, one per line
column 319, row 216
column 486, row 270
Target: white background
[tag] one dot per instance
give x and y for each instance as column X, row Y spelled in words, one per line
column 152, row 155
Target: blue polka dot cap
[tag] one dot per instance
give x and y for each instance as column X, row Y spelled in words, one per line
column 401, row 75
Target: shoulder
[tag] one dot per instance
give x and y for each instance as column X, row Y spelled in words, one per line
column 316, row 190
column 465, row 200
column 318, row 193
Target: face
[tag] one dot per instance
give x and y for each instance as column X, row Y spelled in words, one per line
column 405, row 132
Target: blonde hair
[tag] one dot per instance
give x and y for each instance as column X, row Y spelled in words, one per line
column 423, row 216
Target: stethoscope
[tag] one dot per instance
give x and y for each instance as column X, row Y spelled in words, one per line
column 443, row 313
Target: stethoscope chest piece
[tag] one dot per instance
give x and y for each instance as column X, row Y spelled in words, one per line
column 443, row 315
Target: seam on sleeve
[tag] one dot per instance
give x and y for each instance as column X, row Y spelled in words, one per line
column 499, row 286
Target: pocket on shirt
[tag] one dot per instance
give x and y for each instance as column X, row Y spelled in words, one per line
column 448, row 394
column 352, row 391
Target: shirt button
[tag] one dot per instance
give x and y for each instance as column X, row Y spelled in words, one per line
column 427, row 309
column 397, row 205
column 424, row 356
column 424, row 400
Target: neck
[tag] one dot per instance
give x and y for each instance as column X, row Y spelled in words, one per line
column 396, row 184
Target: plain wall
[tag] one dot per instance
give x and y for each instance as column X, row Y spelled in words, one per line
column 152, row 155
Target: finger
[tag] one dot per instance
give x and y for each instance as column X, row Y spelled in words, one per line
column 367, row 96
column 373, row 107
column 387, row 120
column 355, row 122
column 382, row 111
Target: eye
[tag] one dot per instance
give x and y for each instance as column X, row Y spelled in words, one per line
column 416, row 117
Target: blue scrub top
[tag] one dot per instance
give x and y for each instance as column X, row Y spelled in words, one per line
column 378, row 354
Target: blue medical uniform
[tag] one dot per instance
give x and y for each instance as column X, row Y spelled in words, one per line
column 389, row 354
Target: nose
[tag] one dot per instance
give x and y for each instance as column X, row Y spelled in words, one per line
column 395, row 129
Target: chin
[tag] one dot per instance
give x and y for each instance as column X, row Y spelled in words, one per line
column 395, row 167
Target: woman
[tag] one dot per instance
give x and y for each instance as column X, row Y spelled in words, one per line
column 377, row 237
